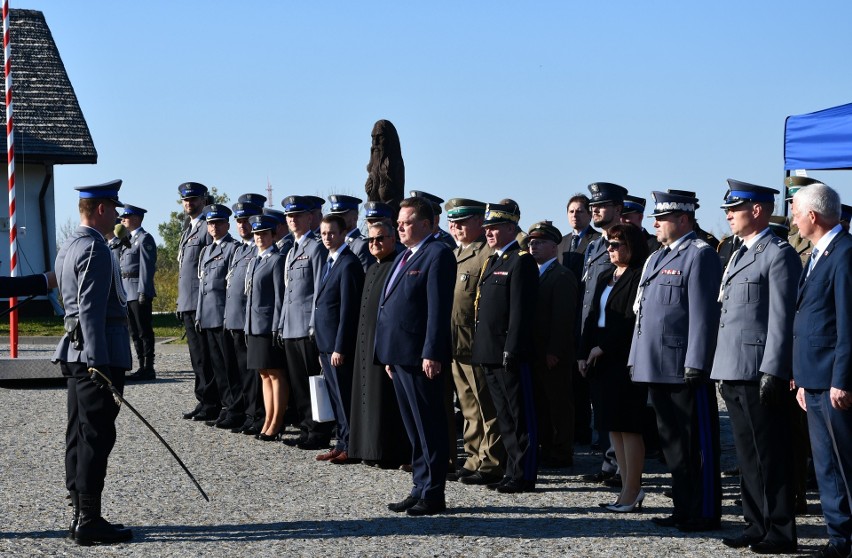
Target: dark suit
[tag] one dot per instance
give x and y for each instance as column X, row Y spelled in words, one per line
column 755, row 334
column 27, row 285
column 556, row 306
column 414, row 324
column 336, row 306
column 822, row 359
column 504, row 324
column 573, row 260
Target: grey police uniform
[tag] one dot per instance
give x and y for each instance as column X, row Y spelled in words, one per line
column 303, row 268
column 758, row 296
column 90, row 285
column 192, row 242
column 138, row 264
column 358, row 245
column 677, row 318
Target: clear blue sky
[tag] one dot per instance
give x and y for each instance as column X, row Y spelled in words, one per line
column 529, row 100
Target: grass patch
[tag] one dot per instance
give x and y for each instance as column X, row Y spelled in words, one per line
column 165, row 325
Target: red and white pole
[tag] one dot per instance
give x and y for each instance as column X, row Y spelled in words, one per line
column 10, row 151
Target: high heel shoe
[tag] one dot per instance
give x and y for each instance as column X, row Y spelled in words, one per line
column 269, row 437
column 628, row 508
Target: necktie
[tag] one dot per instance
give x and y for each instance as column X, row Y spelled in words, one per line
column 666, row 251
column 743, row 249
column 813, row 260
column 327, row 270
column 402, row 262
column 575, row 241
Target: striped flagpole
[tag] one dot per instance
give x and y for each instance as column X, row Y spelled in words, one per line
column 10, row 151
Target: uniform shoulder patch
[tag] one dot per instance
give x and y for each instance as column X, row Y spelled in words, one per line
column 700, row 243
column 523, row 253
column 778, row 241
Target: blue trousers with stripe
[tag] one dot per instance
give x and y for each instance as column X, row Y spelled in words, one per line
column 688, row 422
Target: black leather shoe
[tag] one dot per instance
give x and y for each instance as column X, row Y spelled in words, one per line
column 100, row 531
column 668, row 521
column 768, row 547
column 190, row 415
column 740, row 542
column 313, row 445
column 427, row 507
column 600, row 476
column 211, row 422
column 295, row 442
column 204, row 416
column 513, row 487
column 142, row 375
column 406, row 504
column 498, row 484
column 228, row 423
column 478, row 478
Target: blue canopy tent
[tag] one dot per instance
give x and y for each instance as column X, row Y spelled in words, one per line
column 819, row 140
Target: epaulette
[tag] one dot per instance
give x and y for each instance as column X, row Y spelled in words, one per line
column 699, row 243
column 523, row 253
column 778, row 241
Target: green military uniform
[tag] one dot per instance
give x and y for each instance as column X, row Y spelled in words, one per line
column 482, row 442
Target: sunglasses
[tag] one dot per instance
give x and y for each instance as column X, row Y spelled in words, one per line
column 374, row 239
column 615, row 245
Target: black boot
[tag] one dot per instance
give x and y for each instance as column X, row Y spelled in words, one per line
column 75, row 505
column 94, row 529
column 145, row 372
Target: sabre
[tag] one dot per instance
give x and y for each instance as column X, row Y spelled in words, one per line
column 120, row 399
column 15, row 307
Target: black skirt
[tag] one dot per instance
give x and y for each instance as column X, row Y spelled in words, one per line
column 262, row 353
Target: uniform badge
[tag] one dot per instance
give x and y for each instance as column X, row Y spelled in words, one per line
column 501, row 273
column 671, row 272
column 463, row 277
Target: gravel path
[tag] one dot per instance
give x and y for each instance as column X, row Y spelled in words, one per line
column 268, row 499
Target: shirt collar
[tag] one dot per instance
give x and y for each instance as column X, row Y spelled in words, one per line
column 826, row 239
column 543, row 267
column 502, row 250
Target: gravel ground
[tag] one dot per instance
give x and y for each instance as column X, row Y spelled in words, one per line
column 267, row 499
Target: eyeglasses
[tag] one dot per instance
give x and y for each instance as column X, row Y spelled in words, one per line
column 614, row 245
column 374, row 239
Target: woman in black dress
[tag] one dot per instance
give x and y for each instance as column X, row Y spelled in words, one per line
column 604, row 350
column 376, row 432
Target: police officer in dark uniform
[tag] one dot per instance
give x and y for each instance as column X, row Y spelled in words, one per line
column 96, row 337
column 677, row 318
column 282, row 236
column 316, row 214
column 193, row 239
column 438, row 232
column 606, row 203
column 503, row 344
column 138, row 265
column 347, row 207
column 758, row 296
column 213, row 266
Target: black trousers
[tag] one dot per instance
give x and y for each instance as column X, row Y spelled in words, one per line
column 762, row 438
column 141, row 331
column 512, row 393
column 223, row 361
column 205, row 384
column 90, row 432
column 302, row 358
column 339, row 382
column 250, row 388
column 688, row 421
